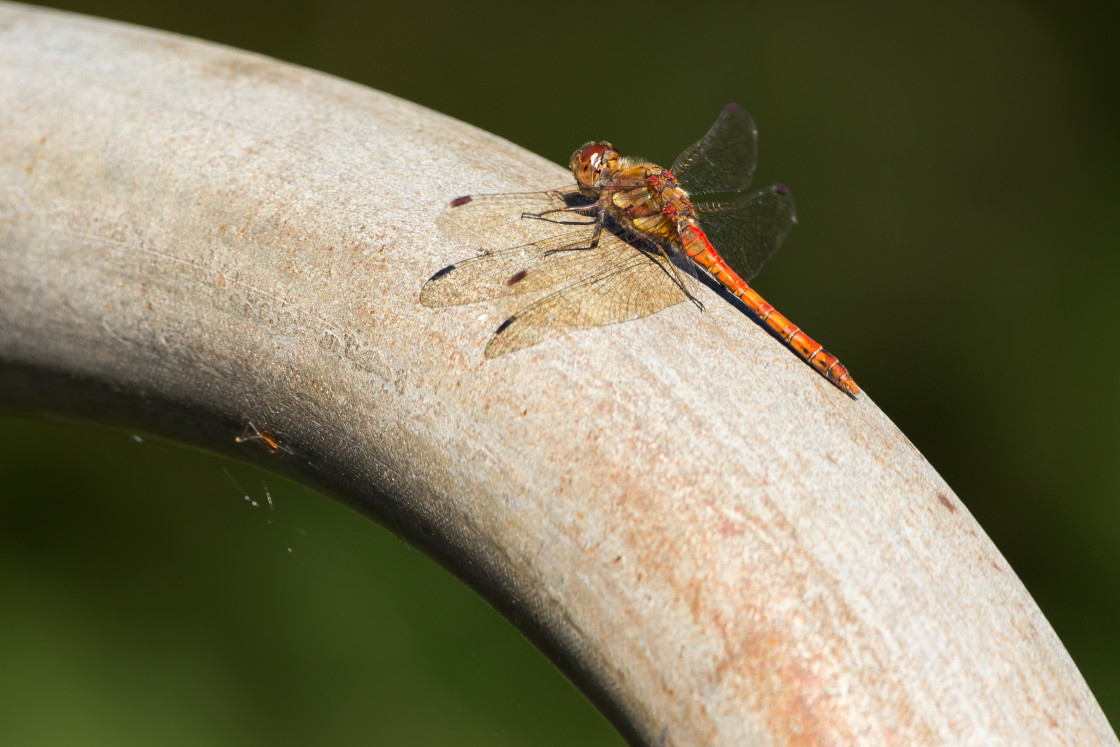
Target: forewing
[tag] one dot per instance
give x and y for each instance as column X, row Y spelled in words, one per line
column 723, row 160
column 632, row 283
column 496, row 220
column 747, row 231
column 490, row 221
column 509, row 272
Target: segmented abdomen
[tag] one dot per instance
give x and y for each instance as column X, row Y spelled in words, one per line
column 701, row 251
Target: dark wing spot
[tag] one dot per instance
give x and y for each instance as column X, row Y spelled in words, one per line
column 441, row 273
column 517, row 277
column 504, row 324
column 458, row 201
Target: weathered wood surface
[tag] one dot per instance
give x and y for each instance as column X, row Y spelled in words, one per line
column 715, row 543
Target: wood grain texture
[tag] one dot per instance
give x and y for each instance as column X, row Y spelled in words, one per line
column 717, row 545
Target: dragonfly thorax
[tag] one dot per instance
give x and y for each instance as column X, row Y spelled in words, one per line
column 645, row 198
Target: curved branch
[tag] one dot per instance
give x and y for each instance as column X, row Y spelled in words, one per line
column 717, row 545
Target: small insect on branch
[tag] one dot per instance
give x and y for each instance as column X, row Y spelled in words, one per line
column 268, row 439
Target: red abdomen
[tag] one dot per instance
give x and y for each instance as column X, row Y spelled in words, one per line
column 701, row 251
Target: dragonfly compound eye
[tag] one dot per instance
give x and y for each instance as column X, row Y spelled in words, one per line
column 589, row 161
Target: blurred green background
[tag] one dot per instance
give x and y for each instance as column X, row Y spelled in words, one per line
column 955, row 171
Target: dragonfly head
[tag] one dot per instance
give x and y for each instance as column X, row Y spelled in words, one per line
column 591, row 164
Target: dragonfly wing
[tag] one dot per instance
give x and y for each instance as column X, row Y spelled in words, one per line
column 748, row 230
column 632, row 283
column 723, row 160
column 522, row 269
column 481, row 220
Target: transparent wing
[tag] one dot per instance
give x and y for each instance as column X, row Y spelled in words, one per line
column 630, row 283
column 723, row 160
column 748, row 230
column 483, row 221
column 531, row 267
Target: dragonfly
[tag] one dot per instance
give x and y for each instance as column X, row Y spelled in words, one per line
column 628, row 240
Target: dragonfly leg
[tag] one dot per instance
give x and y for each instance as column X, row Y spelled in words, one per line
column 598, row 232
column 587, row 210
column 580, row 245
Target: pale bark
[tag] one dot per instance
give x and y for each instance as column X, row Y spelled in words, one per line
column 717, row 545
